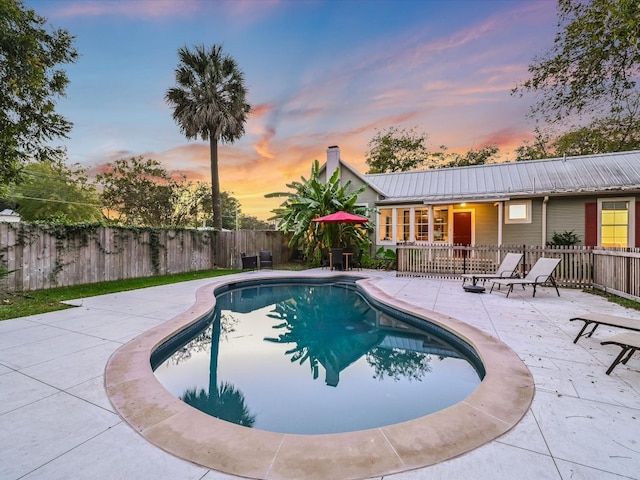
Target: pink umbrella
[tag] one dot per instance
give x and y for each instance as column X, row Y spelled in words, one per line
column 341, row 217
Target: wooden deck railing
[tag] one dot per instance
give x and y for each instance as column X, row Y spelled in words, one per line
column 617, row 271
column 614, row 270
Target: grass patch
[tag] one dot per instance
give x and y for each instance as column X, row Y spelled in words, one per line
column 42, row 301
column 625, row 302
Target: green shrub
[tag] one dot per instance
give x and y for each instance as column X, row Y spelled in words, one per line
column 566, row 238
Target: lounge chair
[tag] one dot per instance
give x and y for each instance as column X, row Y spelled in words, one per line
column 266, row 260
column 629, row 342
column 540, row 274
column 507, row 269
column 603, row 319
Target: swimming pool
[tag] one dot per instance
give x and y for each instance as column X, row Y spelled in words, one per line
column 315, row 357
column 495, row 406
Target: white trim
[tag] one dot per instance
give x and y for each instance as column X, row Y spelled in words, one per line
column 527, row 205
column 379, row 240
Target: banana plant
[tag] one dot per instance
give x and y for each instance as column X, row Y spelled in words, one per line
column 312, row 198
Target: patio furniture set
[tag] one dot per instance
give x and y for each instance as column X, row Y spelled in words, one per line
column 341, row 258
column 263, row 260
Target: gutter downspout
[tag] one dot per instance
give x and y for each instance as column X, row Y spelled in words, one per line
column 544, row 220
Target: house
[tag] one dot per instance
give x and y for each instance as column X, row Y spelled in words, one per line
column 518, row 203
column 8, row 215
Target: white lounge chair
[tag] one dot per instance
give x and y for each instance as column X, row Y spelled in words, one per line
column 507, row 269
column 597, row 319
column 629, row 342
column 540, row 274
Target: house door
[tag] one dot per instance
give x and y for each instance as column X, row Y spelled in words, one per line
column 462, row 228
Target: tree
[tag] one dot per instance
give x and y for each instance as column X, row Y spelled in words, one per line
column 472, row 157
column 249, row 222
column 52, row 191
column 593, row 67
column 397, row 150
column 31, row 81
column 209, row 102
column 600, row 136
column 403, row 150
column 198, row 205
column 540, row 147
column 314, row 198
column 141, row 192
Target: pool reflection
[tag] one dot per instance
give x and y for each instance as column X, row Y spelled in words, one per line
column 239, row 368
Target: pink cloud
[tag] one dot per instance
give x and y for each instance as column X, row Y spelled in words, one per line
column 262, row 147
column 262, row 109
column 139, row 8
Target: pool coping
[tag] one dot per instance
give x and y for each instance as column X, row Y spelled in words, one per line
column 497, row 405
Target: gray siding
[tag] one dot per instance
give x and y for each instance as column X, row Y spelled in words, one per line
column 525, row 233
column 368, row 197
column 565, row 214
column 486, row 223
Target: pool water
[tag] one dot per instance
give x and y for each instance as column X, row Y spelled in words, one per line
column 312, row 358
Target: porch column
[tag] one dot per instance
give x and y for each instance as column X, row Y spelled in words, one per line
column 394, row 225
column 500, row 222
column 544, row 220
column 412, row 224
column 431, row 235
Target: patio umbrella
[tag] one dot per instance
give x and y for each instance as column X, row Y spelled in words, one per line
column 341, row 217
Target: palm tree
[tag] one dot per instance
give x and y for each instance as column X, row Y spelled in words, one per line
column 209, row 103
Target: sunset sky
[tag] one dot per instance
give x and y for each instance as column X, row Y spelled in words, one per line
column 319, row 73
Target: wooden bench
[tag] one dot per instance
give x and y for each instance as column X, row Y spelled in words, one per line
column 629, row 342
column 603, row 319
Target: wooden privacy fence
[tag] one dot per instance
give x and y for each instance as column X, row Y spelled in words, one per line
column 229, row 246
column 47, row 256
column 575, row 270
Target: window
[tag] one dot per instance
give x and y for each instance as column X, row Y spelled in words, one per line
column 441, row 225
column 614, row 223
column 421, row 216
column 384, row 225
column 518, row 211
column 404, row 225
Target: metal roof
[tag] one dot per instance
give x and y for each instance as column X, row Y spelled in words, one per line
column 585, row 174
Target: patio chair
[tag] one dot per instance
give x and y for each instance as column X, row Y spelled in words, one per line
column 266, row 260
column 540, row 274
column 324, row 258
column 629, row 342
column 337, row 262
column 507, row 269
column 356, row 260
column 249, row 263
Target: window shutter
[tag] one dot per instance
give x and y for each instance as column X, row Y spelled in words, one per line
column 591, row 224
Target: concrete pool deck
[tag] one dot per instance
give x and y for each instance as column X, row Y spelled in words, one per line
column 57, row 422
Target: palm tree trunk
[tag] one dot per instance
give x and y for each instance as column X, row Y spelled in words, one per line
column 215, row 184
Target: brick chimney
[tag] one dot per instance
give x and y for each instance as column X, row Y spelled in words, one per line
column 333, row 161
